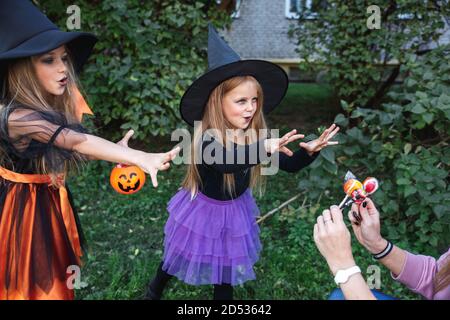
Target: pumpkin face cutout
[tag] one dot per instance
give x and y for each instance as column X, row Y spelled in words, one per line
column 127, row 179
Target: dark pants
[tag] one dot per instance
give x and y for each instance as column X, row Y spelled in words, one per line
column 221, row 291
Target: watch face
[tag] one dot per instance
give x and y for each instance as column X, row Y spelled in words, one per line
column 343, row 275
column 340, row 277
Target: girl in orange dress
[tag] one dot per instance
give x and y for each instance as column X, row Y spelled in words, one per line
column 41, row 139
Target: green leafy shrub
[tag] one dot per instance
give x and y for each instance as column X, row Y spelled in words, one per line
column 405, row 145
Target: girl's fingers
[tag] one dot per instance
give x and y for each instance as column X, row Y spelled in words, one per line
column 165, row 166
column 286, row 151
column 325, row 133
column 295, row 137
column 303, row 145
column 153, row 177
column 128, row 135
column 169, row 156
column 333, row 133
column 289, row 134
column 290, row 139
column 124, row 141
column 174, row 152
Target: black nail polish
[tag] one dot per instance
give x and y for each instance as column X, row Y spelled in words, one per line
column 356, row 216
column 364, row 204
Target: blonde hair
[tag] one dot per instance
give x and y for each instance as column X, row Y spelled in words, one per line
column 213, row 118
column 23, row 88
column 442, row 279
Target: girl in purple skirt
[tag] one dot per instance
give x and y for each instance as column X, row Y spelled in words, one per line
column 211, row 236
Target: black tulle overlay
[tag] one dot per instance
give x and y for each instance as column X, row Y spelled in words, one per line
column 40, row 234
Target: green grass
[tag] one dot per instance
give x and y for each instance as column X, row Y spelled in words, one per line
column 125, row 233
column 125, row 237
column 305, row 107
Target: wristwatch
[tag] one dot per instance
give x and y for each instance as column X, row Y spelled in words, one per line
column 343, row 275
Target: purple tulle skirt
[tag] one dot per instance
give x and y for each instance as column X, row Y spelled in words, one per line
column 209, row 241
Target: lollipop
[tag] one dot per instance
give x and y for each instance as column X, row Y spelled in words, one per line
column 357, row 191
column 370, row 185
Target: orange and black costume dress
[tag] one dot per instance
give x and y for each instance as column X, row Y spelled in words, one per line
column 40, row 234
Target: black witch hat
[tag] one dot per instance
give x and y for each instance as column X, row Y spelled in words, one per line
column 25, row 32
column 224, row 63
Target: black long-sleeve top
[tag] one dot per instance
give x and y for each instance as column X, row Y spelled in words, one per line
column 211, row 170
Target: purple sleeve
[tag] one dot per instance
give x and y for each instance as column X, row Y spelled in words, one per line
column 418, row 273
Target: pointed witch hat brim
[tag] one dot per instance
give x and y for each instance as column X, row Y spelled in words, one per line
column 26, row 32
column 224, row 64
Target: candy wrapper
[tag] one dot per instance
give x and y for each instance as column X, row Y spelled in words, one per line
column 355, row 191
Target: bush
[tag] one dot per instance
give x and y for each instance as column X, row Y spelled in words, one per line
column 405, row 145
column 361, row 63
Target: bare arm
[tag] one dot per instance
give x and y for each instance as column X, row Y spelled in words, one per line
column 394, row 261
column 356, row 288
column 367, row 231
column 332, row 238
column 30, row 124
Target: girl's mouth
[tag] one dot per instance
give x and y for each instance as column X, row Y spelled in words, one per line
column 63, row 81
column 247, row 119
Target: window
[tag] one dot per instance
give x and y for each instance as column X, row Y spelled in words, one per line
column 237, row 9
column 232, row 6
column 295, row 7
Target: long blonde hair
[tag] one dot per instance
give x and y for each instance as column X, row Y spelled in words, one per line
column 213, row 118
column 442, row 279
column 23, row 88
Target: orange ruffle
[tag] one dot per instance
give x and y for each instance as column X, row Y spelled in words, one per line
column 23, row 288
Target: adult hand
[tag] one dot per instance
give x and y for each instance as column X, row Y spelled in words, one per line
column 365, row 220
column 332, row 238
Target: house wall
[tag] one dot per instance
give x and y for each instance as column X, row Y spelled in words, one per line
column 261, row 32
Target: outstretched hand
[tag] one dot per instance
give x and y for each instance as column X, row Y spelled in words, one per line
column 151, row 163
column 279, row 144
column 322, row 142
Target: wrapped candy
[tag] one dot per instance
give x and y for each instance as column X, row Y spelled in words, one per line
column 370, row 185
column 356, row 191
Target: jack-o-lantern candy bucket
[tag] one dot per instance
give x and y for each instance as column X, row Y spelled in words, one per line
column 127, row 179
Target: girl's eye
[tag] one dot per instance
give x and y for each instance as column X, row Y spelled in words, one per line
column 241, row 102
column 48, row 61
column 64, row 59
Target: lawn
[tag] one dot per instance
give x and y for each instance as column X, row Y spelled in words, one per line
column 125, row 233
column 305, row 107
